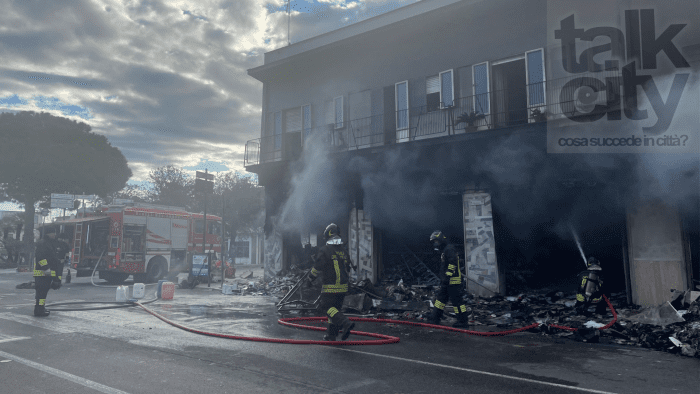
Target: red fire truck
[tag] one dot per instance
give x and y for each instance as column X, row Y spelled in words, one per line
column 144, row 240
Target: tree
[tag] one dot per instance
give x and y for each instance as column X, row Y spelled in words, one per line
column 10, row 244
column 242, row 202
column 136, row 193
column 171, row 186
column 42, row 154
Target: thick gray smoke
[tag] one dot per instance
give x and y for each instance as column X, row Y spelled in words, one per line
column 316, row 196
column 394, row 196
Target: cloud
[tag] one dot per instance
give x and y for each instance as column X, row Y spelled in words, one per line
column 164, row 81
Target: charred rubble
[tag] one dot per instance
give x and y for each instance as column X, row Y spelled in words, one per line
column 673, row 327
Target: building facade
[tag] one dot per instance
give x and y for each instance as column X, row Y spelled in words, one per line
column 533, row 133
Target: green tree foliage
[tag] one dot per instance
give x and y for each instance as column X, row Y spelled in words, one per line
column 135, row 193
column 171, row 186
column 42, row 154
column 240, row 200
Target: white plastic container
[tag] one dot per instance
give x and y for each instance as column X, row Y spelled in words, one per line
column 139, row 290
column 229, row 289
column 122, row 293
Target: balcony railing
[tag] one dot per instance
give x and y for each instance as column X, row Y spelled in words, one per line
column 492, row 110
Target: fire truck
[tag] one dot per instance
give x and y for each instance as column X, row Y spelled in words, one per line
column 143, row 240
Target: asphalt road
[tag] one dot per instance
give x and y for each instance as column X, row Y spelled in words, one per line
column 128, row 350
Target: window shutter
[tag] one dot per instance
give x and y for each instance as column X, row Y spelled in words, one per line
column 432, row 85
column 446, row 89
column 292, row 120
column 535, row 78
column 338, row 103
column 306, row 119
column 481, row 88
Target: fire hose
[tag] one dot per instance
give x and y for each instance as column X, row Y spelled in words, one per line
column 291, row 322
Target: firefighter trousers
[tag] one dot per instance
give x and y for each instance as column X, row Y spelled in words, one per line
column 330, row 305
column 42, row 284
column 454, row 294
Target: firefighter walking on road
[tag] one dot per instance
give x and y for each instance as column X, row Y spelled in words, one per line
column 451, row 282
column 332, row 261
column 47, row 270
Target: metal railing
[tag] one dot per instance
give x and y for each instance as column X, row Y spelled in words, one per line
column 538, row 102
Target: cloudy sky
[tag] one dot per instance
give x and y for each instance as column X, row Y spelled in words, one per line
column 165, row 80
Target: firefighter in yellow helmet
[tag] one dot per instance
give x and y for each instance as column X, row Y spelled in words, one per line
column 451, row 287
column 332, row 261
column 47, row 270
column 590, row 289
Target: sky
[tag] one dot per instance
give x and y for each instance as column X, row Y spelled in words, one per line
column 165, row 80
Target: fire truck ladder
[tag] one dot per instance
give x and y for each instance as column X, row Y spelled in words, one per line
column 417, row 268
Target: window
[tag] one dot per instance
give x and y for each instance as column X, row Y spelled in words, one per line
column 481, row 87
column 241, row 249
column 439, row 91
column 446, row 89
column 535, row 77
column 115, row 243
column 402, row 107
column 306, row 119
column 214, row 227
column 278, row 130
column 199, row 226
column 338, row 105
column 432, row 93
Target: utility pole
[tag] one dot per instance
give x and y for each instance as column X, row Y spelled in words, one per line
column 289, row 18
column 204, row 182
column 223, row 236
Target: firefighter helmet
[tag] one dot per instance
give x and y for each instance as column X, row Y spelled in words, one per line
column 593, row 263
column 438, row 239
column 330, row 231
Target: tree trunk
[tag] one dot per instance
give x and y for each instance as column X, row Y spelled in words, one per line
column 29, row 213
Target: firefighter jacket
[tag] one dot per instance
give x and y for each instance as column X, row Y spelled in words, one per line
column 450, row 266
column 590, row 287
column 47, row 263
column 332, row 261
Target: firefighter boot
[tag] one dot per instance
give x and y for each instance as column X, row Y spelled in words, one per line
column 40, row 311
column 435, row 316
column 331, row 333
column 463, row 320
column 347, row 326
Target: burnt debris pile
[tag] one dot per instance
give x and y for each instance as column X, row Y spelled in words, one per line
column 672, row 327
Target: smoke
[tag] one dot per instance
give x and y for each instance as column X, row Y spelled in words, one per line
column 396, row 194
column 317, row 193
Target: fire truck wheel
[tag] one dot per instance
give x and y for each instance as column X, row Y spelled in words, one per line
column 115, row 278
column 156, row 269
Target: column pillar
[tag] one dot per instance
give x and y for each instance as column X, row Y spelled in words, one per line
column 484, row 277
column 656, row 252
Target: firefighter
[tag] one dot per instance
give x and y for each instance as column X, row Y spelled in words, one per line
column 333, row 261
column 47, row 270
column 451, row 282
column 590, row 289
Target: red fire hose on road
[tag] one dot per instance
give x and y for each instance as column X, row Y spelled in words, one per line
column 383, row 339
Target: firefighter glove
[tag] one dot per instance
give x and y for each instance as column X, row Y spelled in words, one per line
column 56, row 284
column 310, row 281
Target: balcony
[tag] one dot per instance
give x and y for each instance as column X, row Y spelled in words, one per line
column 544, row 101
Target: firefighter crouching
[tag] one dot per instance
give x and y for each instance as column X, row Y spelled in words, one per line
column 47, row 270
column 333, row 261
column 590, row 289
column 451, row 286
